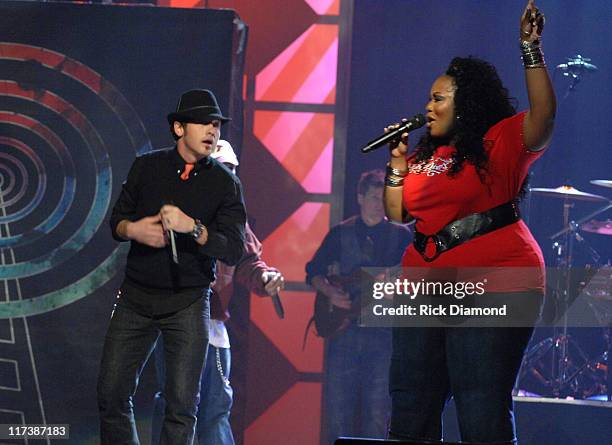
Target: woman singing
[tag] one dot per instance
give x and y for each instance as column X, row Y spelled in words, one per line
column 460, row 185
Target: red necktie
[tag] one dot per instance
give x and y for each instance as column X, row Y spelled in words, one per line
column 185, row 174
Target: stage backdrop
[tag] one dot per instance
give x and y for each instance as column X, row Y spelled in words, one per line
column 84, row 89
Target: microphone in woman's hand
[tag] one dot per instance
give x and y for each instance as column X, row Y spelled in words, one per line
column 417, row 121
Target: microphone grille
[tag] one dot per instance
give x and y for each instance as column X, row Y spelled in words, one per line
column 419, row 120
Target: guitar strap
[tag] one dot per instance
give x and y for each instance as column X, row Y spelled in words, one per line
column 356, row 253
column 350, row 253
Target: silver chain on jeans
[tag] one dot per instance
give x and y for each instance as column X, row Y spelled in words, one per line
column 220, row 368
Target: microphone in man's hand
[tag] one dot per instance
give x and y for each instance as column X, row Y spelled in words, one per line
column 173, row 246
column 171, row 236
column 413, row 123
column 278, row 306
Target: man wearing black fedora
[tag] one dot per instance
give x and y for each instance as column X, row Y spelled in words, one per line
column 181, row 210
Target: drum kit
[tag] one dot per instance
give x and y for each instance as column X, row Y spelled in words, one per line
column 558, row 364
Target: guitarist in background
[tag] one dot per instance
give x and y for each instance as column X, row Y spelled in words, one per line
column 356, row 394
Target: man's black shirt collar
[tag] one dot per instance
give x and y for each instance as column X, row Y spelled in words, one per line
column 179, row 162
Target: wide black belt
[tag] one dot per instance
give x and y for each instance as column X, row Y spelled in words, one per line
column 464, row 229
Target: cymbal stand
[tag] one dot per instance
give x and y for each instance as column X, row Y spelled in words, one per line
column 581, row 221
column 570, row 230
column 562, row 370
column 608, row 337
column 565, row 252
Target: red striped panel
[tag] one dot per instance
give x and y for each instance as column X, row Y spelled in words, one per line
column 302, row 143
column 287, row 334
column 325, row 7
column 293, row 419
column 304, row 72
column 295, row 241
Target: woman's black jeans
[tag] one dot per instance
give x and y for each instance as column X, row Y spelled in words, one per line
column 478, row 366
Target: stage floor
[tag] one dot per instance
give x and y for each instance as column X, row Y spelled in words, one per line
column 548, row 421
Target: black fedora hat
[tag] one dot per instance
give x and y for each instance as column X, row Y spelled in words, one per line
column 198, row 107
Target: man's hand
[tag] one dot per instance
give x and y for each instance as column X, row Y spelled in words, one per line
column 274, row 282
column 173, row 218
column 336, row 296
column 147, row 231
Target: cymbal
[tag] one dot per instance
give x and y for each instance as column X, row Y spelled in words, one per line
column 601, row 227
column 602, row 182
column 568, row 192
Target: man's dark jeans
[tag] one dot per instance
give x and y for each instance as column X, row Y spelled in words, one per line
column 213, row 425
column 356, row 398
column 129, row 342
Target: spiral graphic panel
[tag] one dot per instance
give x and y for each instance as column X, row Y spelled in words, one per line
column 59, row 123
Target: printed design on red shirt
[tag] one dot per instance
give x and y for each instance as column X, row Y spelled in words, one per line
column 431, row 167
